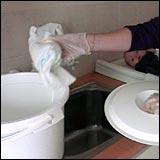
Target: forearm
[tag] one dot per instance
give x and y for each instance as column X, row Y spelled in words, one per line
column 119, row 40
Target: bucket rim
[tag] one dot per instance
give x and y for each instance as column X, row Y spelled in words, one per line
column 49, row 107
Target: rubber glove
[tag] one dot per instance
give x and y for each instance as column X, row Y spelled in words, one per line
column 73, row 46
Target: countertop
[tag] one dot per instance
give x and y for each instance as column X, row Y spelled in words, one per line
column 123, row 148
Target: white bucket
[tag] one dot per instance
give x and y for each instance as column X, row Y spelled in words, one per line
column 32, row 127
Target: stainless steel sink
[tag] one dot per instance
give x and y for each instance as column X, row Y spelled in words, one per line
column 87, row 130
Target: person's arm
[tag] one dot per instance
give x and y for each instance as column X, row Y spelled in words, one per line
column 74, row 45
column 119, row 40
column 135, row 37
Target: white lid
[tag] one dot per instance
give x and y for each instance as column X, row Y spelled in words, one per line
column 127, row 118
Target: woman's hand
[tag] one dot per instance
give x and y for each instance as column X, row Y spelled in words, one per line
column 72, row 45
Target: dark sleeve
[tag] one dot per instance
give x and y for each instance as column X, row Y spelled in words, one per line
column 145, row 35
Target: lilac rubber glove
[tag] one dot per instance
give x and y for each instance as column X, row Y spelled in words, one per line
column 73, row 46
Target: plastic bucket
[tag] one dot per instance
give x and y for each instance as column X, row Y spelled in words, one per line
column 32, row 126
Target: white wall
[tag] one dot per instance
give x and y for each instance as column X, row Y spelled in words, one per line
column 74, row 16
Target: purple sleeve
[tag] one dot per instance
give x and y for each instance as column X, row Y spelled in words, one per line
column 145, row 35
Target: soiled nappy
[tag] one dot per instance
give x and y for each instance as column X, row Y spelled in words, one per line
column 46, row 56
column 44, row 53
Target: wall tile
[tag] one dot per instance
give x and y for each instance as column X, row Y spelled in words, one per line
column 87, row 63
column 17, row 35
column 106, row 17
column 5, row 38
column 79, row 16
column 80, row 19
column 127, row 13
column 145, row 11
column 21, row 63
column 9, row 6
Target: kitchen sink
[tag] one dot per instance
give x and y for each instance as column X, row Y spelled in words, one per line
column 87, row 130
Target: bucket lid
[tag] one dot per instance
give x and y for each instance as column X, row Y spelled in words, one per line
column 127, row 118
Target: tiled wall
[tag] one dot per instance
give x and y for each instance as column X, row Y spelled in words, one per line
column 74, row 16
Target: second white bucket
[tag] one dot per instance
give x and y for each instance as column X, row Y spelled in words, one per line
column 32, row 127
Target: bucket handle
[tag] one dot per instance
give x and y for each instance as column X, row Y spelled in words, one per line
column 42, row 124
